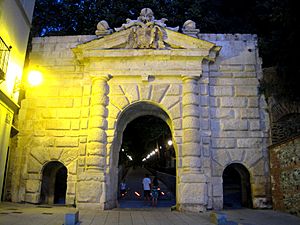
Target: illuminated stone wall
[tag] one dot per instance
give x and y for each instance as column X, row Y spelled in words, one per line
column 94, row 87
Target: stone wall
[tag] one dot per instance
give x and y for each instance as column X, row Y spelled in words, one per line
column 285, row 175
column 77, row 116
column 235, row 115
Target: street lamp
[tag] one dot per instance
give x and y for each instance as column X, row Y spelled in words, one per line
column 34, row 78
column 170, row 142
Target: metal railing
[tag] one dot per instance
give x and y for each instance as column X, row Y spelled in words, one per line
column 4, row 56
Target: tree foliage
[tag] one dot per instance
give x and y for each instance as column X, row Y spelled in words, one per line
column 275, row 21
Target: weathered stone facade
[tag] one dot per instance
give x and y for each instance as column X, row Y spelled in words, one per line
column 205, row 89
column 285, row 174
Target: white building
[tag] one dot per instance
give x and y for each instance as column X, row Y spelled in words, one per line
column 15, row 24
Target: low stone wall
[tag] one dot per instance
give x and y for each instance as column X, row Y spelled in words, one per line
column 285, row 174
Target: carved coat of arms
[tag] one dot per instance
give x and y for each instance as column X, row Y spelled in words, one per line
column 146, row 32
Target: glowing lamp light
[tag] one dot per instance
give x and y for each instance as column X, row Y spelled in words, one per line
column 156, row 150
column 137, row 194
column 35, row 78
column 170, row 142
column 163, row 193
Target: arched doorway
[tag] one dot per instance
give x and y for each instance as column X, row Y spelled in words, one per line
column 147, row 149
column 236, row 187
column 54, row 183
column 138, row 111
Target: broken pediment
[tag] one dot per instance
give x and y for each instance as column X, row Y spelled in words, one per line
column 145, row 33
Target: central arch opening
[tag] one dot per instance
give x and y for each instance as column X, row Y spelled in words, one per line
column 146, row 149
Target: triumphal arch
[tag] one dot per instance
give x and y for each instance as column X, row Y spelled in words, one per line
column 204, row 86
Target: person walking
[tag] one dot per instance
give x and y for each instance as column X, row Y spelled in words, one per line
column 147, row 187
column 154, row 191
column 123, row 188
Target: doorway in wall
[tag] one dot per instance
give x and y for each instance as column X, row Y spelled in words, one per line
column 236, row 187
column 54, row 183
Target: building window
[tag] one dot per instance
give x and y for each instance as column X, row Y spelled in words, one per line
column 4, row 56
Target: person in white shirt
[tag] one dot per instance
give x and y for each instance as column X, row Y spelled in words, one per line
column 147, row 187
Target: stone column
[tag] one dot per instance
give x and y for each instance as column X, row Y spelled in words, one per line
column 191, row 125
column 91, row 181
column 97, row 139
column 193, row 182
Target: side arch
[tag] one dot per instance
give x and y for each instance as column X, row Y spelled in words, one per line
column 53, row 183
column 236, row 186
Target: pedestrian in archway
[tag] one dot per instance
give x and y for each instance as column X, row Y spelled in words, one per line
column 154, row 191
column 147, row 187
column 123, row 188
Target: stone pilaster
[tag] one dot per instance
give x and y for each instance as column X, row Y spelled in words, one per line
column 191, row 125
column 97, row 139
column 193, row 182
column 91, row 181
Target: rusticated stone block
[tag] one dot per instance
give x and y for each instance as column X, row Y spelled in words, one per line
column 194, row 193
column 191, row 162
column 67, row 142
column 191, row 135
column 223, row 142
column 249, row 142
column 191, row 122
column 120, row 101
column 58, row 124
column 71, row 91
column 190, row 110
column 174, row 89
column 97, row 135
column 250, row 113
column 95, row 161
column 59, row 102
column 221, row 91
column 238, row 102
column 190, row 99
column 73, row 113
column 234, row 124
column 170, row 101
column 89, row 191
column 231, row 68
column 191, row 149
column 246, row 91
column 98, row 122
column 32, row 197
column 96, row 148
column 176, row 111
column 32, row 186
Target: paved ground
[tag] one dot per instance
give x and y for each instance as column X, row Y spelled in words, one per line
column 134, row 179
column 133, row 211
column 27, row 214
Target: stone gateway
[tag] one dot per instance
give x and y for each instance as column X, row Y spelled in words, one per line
column 204, row 86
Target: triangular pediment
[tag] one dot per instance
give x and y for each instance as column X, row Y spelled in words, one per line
column 145, row 36
column 119, row 40
column 173, row 41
